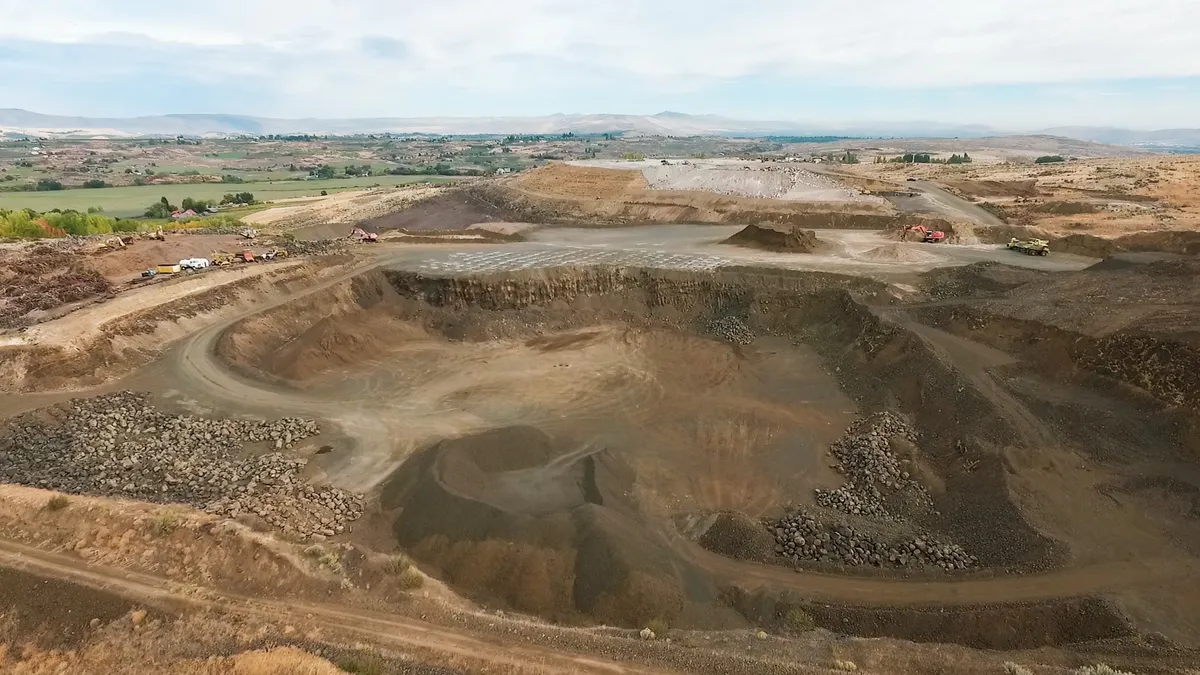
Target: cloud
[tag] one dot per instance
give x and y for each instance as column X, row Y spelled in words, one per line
column 345, row 51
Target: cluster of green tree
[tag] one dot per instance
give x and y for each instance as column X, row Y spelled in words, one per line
column 351, row 170
column 959, row 159
column 633, row 156
column 29, row 224
column 845, row 158
column 1049, row 159
column 94, row 183
column 43, row 185
column 324, row 172
column 924, row 158
column 230, row 178
column 240, row 199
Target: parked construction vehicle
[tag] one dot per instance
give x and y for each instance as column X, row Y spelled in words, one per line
column 150, row 273
column 926, row 235
column 245, row 256
column 360, row 234
column 222, row 259
column 1029, row 246
column 275, row 253
column 248, row 233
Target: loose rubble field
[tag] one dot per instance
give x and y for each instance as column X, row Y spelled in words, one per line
column 119, row 445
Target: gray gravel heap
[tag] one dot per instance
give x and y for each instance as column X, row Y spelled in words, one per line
column 119, row 445
column 872, row 470
column 731, row 328
column 801, row 537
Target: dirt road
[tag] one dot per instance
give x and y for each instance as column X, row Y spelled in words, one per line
column 384, row 629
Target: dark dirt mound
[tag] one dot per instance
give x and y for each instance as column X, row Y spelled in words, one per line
column 1000, row 234
column 52, row 613
column 1085, row 245
column 995, row 188
column 1184, row 242
column 454, row 210
column 515, row 516
column 1012, row 626
column 775, row 238
column 737, row 535
column 977, row 279
column 1065, row 208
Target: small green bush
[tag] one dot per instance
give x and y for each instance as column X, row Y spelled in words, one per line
column 799, row 621
column 659, row 626
column 58, row 503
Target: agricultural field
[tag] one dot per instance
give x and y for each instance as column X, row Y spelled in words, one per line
column 132, row 200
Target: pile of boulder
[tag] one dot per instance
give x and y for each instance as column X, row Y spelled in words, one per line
column 872, row 470
column 732, row 329
column 119, row 445
column 801, row 537
column 875, row 480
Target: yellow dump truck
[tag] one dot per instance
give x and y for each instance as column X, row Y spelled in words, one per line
column 168, row 268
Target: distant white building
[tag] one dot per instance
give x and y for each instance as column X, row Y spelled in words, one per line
column 503, row 170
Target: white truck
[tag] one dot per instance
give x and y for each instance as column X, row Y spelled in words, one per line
column 194, row 263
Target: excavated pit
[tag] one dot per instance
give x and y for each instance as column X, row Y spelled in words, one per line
column 568, row 435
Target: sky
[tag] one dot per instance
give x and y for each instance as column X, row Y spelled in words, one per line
column 1009, row 64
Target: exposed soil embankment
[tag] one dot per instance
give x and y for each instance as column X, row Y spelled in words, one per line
column 455, row 209
column 1135, row 323
column 781, row 240
column 103, row 341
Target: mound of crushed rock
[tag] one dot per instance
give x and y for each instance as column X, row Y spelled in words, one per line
column 876, row 485
column 119, row 445
column 874, row 477
column 897, row 253
column 732, row 329
column 776, row 238
column 800, row 536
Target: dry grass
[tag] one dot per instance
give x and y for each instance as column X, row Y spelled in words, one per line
column 58, row 503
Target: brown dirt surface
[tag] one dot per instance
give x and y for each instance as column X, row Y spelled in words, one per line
column 994, row 188
column 39, row 280
column 898, row 253
column 1085, row 245
column 766, row 237
column 581, row 195
column 340, row 208
column 565, row 180
column 450, row 210
column 122, row 264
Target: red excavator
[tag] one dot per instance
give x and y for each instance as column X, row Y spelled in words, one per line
column 927, row 235
column 359, row 234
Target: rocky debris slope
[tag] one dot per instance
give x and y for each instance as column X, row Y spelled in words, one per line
column 732, row 329
column 799, row 536
column 876, row 486
column 873, row 473
column 119, row 445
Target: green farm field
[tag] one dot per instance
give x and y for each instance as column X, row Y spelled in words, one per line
column 133, row 200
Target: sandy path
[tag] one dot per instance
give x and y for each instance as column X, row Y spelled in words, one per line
column 79, row 328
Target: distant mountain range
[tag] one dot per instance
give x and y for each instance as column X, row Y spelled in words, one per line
column 16, row 121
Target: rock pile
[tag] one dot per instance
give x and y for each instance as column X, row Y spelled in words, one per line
column 873, row 472
column 731, row 328
column 118, row 445
column 801, row 537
